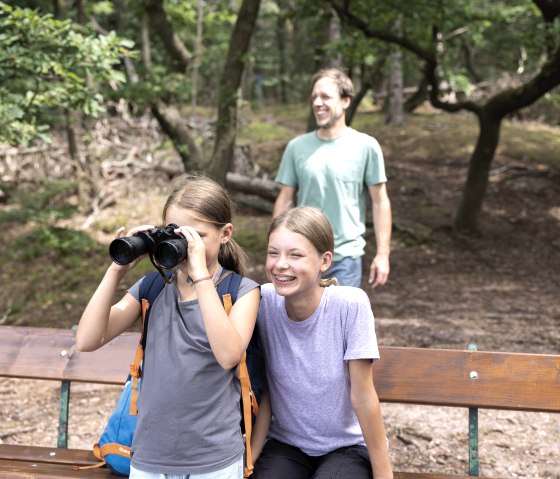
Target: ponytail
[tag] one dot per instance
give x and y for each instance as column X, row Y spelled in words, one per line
column 233, row 257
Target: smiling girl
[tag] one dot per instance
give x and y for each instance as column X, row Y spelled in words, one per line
column 320, row 416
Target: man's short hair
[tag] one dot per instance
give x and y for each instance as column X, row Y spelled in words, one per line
column 341, row 79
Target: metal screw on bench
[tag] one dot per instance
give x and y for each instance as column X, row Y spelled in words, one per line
column 473, row 375
column 63, row 353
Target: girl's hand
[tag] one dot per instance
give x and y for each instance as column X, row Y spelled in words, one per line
column 120, row 233
column 196, row 258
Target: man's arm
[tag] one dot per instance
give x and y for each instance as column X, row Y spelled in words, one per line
column 382, row 224
column 285, row 200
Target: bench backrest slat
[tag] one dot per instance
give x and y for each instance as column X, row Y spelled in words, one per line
column 47, row 353
column 525, row 382
column 439, row 377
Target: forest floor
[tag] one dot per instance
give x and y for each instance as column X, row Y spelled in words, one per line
column 499, row 289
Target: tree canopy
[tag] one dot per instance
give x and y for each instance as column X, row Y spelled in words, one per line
column 172, row 57
column 47, row 64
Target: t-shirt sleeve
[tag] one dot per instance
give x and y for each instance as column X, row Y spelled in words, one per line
column 360, row 337
column 134, row 290
column 375, row 164
column 247, row 285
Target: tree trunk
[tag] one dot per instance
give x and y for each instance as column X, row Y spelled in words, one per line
column 56, row 8
column 395, row 111
column 474, row 191
column 197, row 55
column 419, row 96
column 226, row 128
column 333, row 33
column 282, row 56
column 80, row 14
column 369, row 80
column 172, row 124
column 145, row 42
column 260, row 187
column 161, row 25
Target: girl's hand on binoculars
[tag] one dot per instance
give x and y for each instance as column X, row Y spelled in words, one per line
column 121, row 233
column 138, row 229
column 196, row 259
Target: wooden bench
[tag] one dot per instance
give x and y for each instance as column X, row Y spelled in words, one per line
column 467, row 379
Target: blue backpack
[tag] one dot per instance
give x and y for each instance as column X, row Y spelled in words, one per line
column 114, row 445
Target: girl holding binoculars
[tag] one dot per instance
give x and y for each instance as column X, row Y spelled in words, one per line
column 188, row 420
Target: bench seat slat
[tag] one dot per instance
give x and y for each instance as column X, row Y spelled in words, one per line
column 516, row 381
column 73, row 457
column 41, row 470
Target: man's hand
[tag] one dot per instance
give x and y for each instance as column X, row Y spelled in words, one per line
column 379, row 271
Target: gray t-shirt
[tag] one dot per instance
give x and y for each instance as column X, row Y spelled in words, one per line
column 334, row 175
column 307, row 367
column 188, row 410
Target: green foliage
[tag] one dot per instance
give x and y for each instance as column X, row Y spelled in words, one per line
column 60, row 243
column 262, row 132
column 47, row 202
column 43, row 206
column 46, row 64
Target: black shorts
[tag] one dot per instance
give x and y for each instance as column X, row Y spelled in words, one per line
column 282, row 461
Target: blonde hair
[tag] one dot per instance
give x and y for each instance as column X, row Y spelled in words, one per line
column 341, row 79
column 211, row 202
column 313, row 225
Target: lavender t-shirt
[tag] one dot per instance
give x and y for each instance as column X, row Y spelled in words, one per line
column 307, row 367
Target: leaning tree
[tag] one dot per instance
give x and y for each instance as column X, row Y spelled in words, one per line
column 532, row 26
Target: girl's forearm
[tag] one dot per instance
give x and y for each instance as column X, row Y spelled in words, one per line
column 93, row 324
column 371, row 422
column 260, row 429
column 228, row 335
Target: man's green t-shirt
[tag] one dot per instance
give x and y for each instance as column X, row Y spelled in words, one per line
column 334, row 175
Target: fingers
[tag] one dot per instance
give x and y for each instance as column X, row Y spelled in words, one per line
column 139, row 229
column 189, row 233
column 120, row 232
column 196, row 246
column 379, row 273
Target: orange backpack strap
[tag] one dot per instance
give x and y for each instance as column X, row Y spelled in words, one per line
column 246, row 394
column 248, row 399
column 135, row 369
column 97, row 454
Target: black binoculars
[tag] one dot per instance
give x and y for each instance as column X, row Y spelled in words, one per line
column 165, row 247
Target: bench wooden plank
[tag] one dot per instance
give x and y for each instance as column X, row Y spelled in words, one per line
column 38, row 470
column 72, row 457
column 41, row 470
column 516, row 381
column 46, row 353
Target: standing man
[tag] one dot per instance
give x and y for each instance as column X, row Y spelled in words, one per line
column 333, row 168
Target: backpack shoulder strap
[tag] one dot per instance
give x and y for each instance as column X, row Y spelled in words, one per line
column 228, row 289
column 151, row 286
